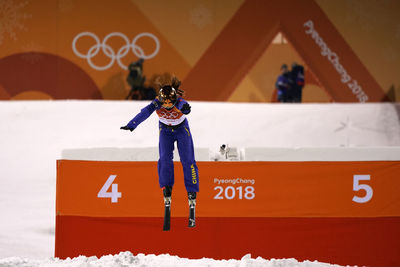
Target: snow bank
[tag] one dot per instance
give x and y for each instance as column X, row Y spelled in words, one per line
column 165, row 260
column 275, row 132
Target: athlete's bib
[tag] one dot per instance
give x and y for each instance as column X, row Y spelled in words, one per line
column 171, row 117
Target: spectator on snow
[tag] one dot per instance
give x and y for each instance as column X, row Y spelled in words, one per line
column 282, row 85
column 296, row 82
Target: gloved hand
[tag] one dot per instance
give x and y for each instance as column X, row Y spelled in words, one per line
column 127, row 128
column 186, row 109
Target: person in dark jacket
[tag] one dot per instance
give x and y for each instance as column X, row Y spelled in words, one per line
column 297, row 82
column 136, row 80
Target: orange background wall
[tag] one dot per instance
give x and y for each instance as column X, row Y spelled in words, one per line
column 37, row 60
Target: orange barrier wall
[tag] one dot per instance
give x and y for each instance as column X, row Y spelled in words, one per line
column 337, row 212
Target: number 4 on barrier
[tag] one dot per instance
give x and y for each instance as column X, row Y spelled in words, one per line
column 114, row 194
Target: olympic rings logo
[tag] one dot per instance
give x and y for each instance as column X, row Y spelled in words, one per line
column 169, row 115
column 109, row 51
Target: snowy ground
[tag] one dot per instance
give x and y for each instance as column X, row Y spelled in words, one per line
column 33, row 134
column 165, row 260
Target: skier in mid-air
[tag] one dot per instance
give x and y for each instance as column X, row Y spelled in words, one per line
column 172, row 109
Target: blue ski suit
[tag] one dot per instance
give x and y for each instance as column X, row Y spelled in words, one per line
column 173, row 126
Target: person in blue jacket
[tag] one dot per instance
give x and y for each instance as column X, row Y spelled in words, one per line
column 283, row 85
column 172, row 109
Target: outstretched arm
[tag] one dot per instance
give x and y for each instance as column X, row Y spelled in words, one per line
column 142, row 115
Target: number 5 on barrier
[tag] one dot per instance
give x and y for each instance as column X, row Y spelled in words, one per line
column 357, row 187
column 114, row 194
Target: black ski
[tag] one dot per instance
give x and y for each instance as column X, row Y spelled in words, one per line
column 192, row 209
column 167, row 192
column 167, row 215
column 192, row 218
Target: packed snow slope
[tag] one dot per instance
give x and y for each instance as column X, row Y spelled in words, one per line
column 125, row 259
column 34, row 134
